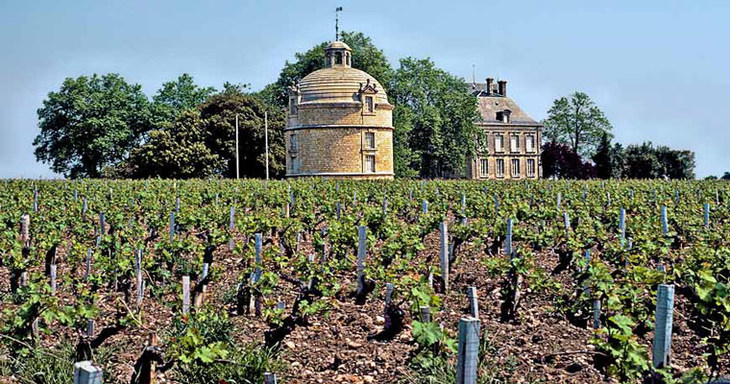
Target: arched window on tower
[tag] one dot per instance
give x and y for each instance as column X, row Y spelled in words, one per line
column 338, row 58
column 347, row 59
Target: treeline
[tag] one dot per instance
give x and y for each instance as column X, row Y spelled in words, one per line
column 103, row 126
column 578, row 146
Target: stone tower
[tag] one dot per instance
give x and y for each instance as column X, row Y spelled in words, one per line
column 339, row 123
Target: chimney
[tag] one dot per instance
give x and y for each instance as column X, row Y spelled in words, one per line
column 489, row 85
column 502, row 84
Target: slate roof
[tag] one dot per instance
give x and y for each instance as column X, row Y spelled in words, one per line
column 490, row 104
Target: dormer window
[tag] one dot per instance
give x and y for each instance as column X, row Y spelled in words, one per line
column 503, row 116
column 369, row 107
column 292, row 106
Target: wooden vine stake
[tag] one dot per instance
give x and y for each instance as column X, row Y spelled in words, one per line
column 596, row 314
column 508, row 240
column 496, row 205
column 172, row 226
column 468, row 354
column 662, row 344
column 255, row 302
column 138, row 278
column 339, row 210
column 425, row 313
column 85, row 372
column 622, row 223
column 424, row 207
column 473, row 302
column 186, row 295
column 87, row 273
column 463, row 209
column 269, row 378
column 444, row 231
column 665, row 227
column 707, row 215
column 361, row 253
column 54, row 268
column 231, row 227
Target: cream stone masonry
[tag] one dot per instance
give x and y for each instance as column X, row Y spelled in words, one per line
column 518, row 156
column 331, row 113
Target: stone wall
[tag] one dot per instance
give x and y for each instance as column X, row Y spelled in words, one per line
column 339, row 152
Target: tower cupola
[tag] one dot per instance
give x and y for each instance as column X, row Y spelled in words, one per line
column 338, row 55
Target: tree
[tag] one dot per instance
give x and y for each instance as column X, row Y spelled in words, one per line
column 642, row 162
column 434, row 120
column 647, row 162
column 609, row 160
column 676, row 164
column 726, row 176
column 91, row 123
column 365, row 56
column 201, row 142
column 560, row 161
column 177, row 151
column 178, row 96
column 578, row 122
column 219, row 119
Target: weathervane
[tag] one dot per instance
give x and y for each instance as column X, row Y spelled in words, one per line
column 337, row 23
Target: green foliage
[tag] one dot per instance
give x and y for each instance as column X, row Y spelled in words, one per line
column 201, row 142
column 609, row 160
column 647, row 162
column 365, row 56
column 434, row 120
column 206, row 352
column 91, row 123
column 577, row 121
column 627, row 358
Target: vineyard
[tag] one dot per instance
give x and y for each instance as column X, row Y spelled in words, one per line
column 365, row 282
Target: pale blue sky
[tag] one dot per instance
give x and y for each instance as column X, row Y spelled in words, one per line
column 659, row 69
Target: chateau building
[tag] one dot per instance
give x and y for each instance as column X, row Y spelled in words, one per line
column 339, row 122
column 508, row 146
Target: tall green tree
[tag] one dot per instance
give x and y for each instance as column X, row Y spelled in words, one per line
column 578, row 122
column 91, row 123
column 434, row 120
column 201, row 141
column 642, row 162
column 176, row 151
column 219, row 119
column 648, row 162
column 179, row 95
column 365, row 56
column 609, row 159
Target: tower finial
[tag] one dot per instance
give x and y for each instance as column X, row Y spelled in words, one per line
column 337, row 23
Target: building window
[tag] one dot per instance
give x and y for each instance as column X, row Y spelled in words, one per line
column 515, row 167
column 530, row 167
column 338, row 57
column 530, row 143
column 500, row 167
column 370, row 163
column 370, row 140
column 483, row 167
column 500, row 116
column 347, row 58
column 515, row 143
column 369, row 107
column 293, row 106
column 498, row 142
column 293, row 143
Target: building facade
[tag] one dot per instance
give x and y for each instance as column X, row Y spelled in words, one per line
column 508, row 145
column 339, row 123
